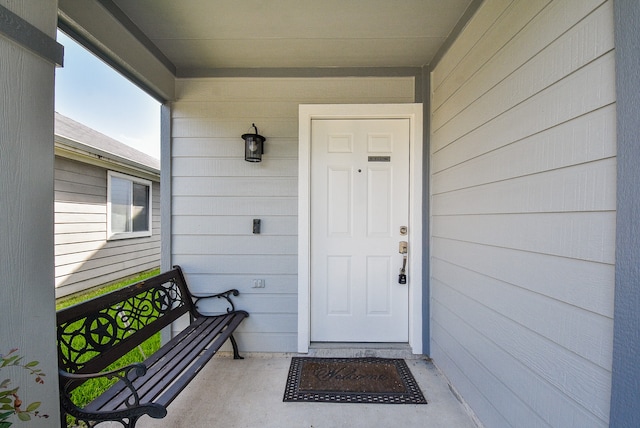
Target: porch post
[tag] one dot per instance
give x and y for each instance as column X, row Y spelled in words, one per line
column 165, row 187
column 626, row 342
column 28, row 57
column 166, row 261
column 426, row 211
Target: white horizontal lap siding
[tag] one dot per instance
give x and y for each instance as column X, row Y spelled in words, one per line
column 523, row 175
column 83, row 256
column 216, row 194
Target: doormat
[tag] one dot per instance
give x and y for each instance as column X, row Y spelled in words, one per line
column 352, row 380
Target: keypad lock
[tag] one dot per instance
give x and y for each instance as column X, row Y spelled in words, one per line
column 402, row 278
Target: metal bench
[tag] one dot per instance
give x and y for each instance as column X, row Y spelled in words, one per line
column 94, row 334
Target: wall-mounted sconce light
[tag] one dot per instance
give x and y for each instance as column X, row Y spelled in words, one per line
column 253, row 146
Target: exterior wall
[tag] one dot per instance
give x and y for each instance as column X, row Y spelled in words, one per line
column 216, row 194
column 26, row 209
column 83, row 256
column 523, row 194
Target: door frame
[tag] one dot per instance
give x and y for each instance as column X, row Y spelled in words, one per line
column 308, row 112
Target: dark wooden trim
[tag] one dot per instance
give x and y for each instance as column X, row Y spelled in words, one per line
column 426, row 176
column 69, row 29
column 318, row 72
column 132, row 28
column 462, row 22
column 625, row 411
column 303, row 72
column 28, row 36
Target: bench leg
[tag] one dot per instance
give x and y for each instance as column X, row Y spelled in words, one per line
column 236, row 355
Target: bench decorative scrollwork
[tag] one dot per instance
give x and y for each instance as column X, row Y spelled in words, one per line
column 95, row 334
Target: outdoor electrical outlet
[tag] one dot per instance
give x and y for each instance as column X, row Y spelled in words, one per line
column 258, row 283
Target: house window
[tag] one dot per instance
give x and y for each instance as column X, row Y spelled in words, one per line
column 128, row 206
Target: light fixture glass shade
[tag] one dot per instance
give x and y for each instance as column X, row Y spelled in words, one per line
column 253, row 146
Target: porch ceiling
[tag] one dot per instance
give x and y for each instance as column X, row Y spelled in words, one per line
column 215, row 34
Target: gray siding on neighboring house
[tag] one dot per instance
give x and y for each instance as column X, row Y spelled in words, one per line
column 216, row 194
column 523, row 149
column 83, row 256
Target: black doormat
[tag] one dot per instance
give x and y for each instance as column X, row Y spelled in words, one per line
column 352, row 380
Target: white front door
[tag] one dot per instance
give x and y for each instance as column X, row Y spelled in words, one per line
column 359, row 203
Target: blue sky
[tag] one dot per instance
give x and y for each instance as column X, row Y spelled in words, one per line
column 92, row 93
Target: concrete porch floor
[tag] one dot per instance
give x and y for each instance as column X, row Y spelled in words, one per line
column 248, row 393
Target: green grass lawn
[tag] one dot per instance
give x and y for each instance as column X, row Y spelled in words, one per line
column 86, row 393
column 65, row 302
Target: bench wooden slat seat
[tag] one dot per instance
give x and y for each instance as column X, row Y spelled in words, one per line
column 94, row 334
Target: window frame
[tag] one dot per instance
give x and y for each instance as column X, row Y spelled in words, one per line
column 129, row 235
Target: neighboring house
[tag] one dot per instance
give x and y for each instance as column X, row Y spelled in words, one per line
column 529, row 283
column 107, row 209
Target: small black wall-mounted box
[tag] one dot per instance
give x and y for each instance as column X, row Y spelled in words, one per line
column 256, row 226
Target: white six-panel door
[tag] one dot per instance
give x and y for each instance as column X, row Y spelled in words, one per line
column 359, row 202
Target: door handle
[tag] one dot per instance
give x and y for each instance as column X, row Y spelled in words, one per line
column 403, row 249
column 402, row 278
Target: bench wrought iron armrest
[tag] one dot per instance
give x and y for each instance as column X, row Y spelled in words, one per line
column 134, row 408
column 224, row 295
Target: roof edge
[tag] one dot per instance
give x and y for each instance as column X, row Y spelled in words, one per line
column 76, row 150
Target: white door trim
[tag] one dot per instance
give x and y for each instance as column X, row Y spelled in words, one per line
column 308, row 112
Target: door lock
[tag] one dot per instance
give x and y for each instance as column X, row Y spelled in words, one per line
column 402, row 278
column 402, row 249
